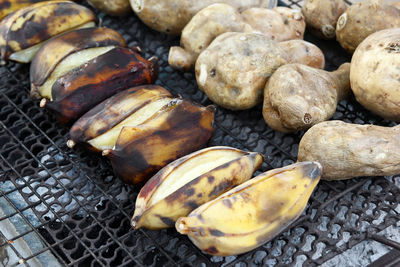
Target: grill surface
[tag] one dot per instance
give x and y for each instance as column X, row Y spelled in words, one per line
column 72, row 205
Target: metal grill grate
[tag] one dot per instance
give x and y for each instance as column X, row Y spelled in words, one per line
column 67, row 205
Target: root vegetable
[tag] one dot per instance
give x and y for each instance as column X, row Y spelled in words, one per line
column 348, row 150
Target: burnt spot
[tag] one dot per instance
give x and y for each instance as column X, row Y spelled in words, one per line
column 5, row 5
column 31, row 33
column 220, row 188
column 245, row 196
column 215, row 232
column 227, row 202
column 149, row 186
column 189, row 192
column 82, row 88
column 211, row 250
column 210, row 179
column 269, row 211
column 68, row 9
column 199, row 195
column 182, row 129
column 131, row 166
column 311, row 170
column 294, row 187
column 191, row 204
column 61, row 47
column 167, row 221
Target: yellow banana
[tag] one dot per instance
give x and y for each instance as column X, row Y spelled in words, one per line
column 23, row 32
column 252, row 213
column 190, row 181
column 9, row 6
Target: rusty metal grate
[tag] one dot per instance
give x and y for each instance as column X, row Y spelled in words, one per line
column 67, row 205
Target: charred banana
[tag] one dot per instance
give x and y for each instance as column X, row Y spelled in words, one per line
column 66, row 52
column 253, row 213
column 188, row 182
column 101, row 126
column 177, row 129
column 24, row 32
column 83, row 87
column 9, row 6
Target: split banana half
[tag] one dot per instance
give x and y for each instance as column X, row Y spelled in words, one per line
column 23, row 32
column 101, row 126
column 188, row 182
column 180, row 127
column 253, row 213
column 80, row 69
column 143, row 129
column 66, row 52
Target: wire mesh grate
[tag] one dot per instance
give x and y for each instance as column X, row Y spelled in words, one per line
column 66, row 207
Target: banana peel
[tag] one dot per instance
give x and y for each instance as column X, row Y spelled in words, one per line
column 46, row 65
column 190, row 181
column 9, row 6
column 23, row 32
column 181, row 127
column 253, row 213
column 82, row 88
column 95, row 126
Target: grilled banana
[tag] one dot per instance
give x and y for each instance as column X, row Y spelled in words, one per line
column 100, row 127
column 68, row 51
column 82, row 88
column 252, row 213
column 179, row 128
column 188, row 182
column 9, row 6
column 24, row 32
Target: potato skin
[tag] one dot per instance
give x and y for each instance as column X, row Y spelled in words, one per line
column 46, row 18
column 349, row 150
column 202, row 29
column 395, row 4
column 322, row 15
column 83, row 88
column 280, row 23
column 233, row 70
column 171, row 16
column 362, row 19
column 375, row 75
column 112, row 7
column 303, row 52
column 177, row 131
column 56, row 50
column 297, row 97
